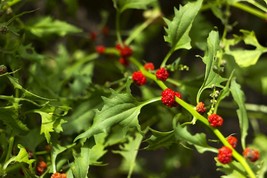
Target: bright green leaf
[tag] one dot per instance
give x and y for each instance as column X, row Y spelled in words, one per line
column 239, row 98
column 198, row 140
column 179, row 27
column 211, row 79
column 120, row 109
column 48, row 26
column 244, row 57
column 231, row 170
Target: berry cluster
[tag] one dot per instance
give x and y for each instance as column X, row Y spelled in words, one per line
column 125, row 52
column 41, row 167
column 200, row 108
column 162, row 74
column 168, row 97
column 215, row 120
column 139, row 78
column 232, row 140
column 251, row 154
column 225, row 155
column 59, row 175
column 100, row 49
column 149, row 66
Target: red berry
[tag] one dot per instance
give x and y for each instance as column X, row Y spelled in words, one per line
column 201, row 108
column 93, row 36
column 225, row 155
column 168, row 97
column 215, row 120
column 162, row 74
column 232, row 140
column 124, row 61
column 251, row 154
column 41, row 167
column 139, row 78
column 59, row 175
column 125, row 51
column 149, row 66
column 100, row 49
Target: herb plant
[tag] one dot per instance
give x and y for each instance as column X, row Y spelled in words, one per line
column 79, row 102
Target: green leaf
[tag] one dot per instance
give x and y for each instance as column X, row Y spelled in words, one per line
column 211, row 78
column 120, row 109
column 51, row 121
column 129, row 152
column 48, row 26
column 245, row 57
column 198, row 140
column 160, row 139
column 179, row 27
column 123, row 5
column 239, row 98
column 260, row 144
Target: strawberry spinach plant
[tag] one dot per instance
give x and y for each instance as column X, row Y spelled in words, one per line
column 160, row 95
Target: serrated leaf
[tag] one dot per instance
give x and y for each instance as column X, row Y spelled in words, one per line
column 211, row 78
column 51, row 121
column 179, row 27
column 160, row 139
column 123, row 5
column 120, row 109
column 198, row 140
column 244, row 57
column 239, row 98
column 129, row 152
column 48, row 26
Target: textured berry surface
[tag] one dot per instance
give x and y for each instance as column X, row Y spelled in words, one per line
column 125, row 51
column 149, row 66
column 201, row 108
column 100, row 49
column 215, row 120
column 162, row 74
column 59, row 175
column 251, row 154
column 168, row 97
column 124, row 61
column 41, row 167
column 232, row 140
column 225, row 155
column 139, row 78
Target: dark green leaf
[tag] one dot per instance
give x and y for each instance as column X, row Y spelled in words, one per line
column 48, row 26
column 179, row 27
column 211, row 78
column 198, row 140
column 239, row 98
column 120, row 109
column 160, row 139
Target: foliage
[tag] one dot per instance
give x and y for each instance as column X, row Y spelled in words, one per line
column 67, row 96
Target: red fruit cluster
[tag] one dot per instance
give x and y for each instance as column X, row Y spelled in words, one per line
column 251, row 154
column 59, row 175
column 149, row 66
column 232, row 140
column 125, row 52
column 200, row 108
column 139, row 78
column 100, row 49
column 224, row 155
column 215, row 120
column 168, row 97
column 41, row 167
column 162, row 74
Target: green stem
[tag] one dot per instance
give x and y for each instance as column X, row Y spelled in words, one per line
column 166, row 58
column 201, row 118
column 10, row 147
column 118, row 32
column 250, row 10
column 138, row 31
